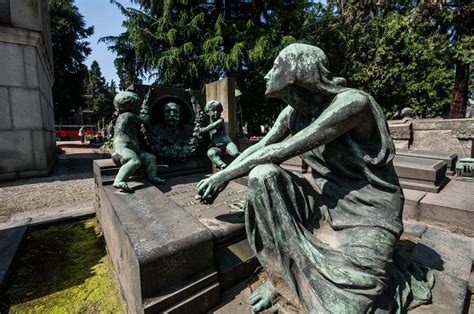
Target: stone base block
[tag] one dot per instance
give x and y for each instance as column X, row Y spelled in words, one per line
column 171, row 253
column 450, row 159
column 420, row 173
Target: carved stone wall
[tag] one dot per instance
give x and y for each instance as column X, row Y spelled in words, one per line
column 441, row 135
column 27, row 140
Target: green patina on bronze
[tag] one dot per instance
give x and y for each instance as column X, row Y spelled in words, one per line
column 64, row 269
column 327, row 243
column 220, row 141
column 126, row 151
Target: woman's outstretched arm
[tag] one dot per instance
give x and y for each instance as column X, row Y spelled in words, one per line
column 346, row 111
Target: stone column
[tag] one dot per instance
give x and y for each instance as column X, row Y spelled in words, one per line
column 27, row 139
column 224, row 91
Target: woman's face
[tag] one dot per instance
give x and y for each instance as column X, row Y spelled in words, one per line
column 277, row 78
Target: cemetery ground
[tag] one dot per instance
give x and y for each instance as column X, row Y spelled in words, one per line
column 63, row 266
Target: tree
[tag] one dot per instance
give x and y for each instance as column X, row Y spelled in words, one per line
column 127, row 63
column 399, row 51
column 463, row 37
column 103, row 93
column 68, row 32
column 189, row 43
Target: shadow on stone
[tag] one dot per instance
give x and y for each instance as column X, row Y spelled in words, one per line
column 232, row 218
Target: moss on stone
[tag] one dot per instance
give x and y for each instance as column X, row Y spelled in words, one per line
column 64, row 269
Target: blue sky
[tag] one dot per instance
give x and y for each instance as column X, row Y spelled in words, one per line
column 107, row 21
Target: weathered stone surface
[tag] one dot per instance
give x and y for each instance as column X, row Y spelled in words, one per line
column 156, row 247
column 205, row 299
column 455, row 135
column 11, row 63
column 45, row 84
column 31, row 67
column 414, row 228
column 449, row 158
column 5, row 118
column 26, row 108
column 400, row 130
column 454, row 206
column 412, row 202
column 420, row 174
column 26, row 68
column 38, row 139
column 26, row 14
column 447, row 252
column 10, row 241
column 419, row 168
column 16, row 151
column 450, row 256
column 48, row 114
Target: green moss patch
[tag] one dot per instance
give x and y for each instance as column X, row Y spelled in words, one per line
column 64, row 269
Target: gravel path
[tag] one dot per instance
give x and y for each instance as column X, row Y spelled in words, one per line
column 70, row 184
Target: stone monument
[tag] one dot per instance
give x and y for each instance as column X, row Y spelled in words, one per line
column 171, row 253
column 27, row 139
column 328, row 243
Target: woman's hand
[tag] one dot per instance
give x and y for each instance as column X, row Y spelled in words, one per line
column 208, row 189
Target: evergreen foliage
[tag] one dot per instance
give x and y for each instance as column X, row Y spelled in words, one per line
column 103, row 93
column 70, row 48
column 401, row 51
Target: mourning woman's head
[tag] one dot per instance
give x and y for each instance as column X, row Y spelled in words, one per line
column 305, row 66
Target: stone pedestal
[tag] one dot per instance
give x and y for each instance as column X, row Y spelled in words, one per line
column 171, row 253
column 27, row 140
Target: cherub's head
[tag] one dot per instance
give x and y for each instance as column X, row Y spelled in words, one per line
column 127, row 102
column 213, row 109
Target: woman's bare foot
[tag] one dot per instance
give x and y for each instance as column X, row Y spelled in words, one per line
column 263, row 297
column 123, row 186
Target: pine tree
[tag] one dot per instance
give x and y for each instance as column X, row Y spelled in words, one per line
column 103, row 93
column 70, row 48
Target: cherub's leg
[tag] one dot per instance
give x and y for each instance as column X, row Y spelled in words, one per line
column 214, row 155
column 130, row 162
column 232, row 150
column 149, row 160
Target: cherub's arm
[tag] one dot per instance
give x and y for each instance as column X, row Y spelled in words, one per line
column 213, row 125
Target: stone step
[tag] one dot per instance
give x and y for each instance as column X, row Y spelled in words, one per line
column 426, row 186
column 453, row 206
column 10, row 242
column 450, row 256
column 450, row 159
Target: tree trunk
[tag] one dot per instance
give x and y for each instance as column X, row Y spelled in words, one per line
column 461, row 92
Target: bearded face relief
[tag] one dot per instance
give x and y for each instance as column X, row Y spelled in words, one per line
column 171, row 114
